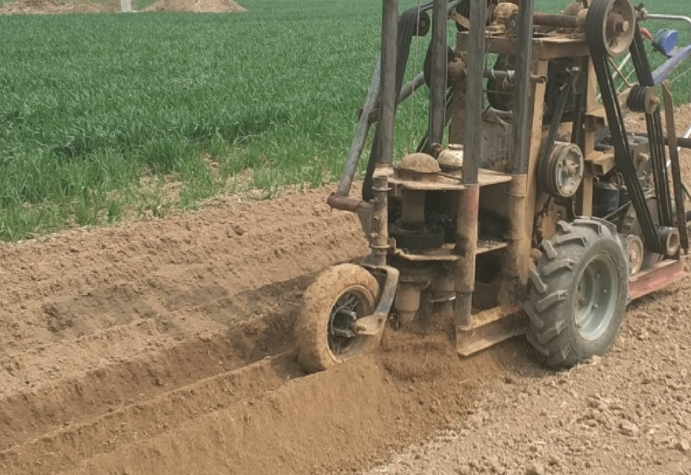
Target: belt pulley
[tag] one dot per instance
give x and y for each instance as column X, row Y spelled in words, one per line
column 610, row 30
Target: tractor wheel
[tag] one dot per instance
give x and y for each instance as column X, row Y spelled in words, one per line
column 578, row 293
column 331, row 305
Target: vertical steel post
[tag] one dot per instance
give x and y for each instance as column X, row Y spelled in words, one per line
column 524, row 63
column 437, row 103
column 387, row 93
column 469, row 200
column 517, row 189
column 380, row 228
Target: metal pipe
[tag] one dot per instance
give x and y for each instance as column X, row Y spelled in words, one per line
column 437, row 103
column 524, row 61
column 343, row 203
column 655, row 16
column 677, row 184
column 558, row 21
column 358, row 143
column 682, row 142
column 466, row 245
column 510, row 289
column 387, row 92
column 469, row 198
column 407, row 91
column 475, row 69
column 380, row 221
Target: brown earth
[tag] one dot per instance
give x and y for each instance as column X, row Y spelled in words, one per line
column 198, row 6
column 166, row 347
column 55, row 6
column 85, row 6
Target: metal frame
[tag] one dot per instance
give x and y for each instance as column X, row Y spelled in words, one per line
column 517, row 184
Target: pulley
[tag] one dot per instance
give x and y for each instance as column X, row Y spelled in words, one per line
column 612, row 24
column 643, row 99
column 635, row 251
column 561, row 174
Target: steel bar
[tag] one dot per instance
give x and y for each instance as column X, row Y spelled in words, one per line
column 358, row 143
column 655, row 16
column 408, row 89
column 558, row 21
column 475, row 68
column 387, row 92
column 677, row 184
column 380, row 224
column 521, row 123
column 469, row 199
column 464, row 276
column 682, row 142
column 437, row 103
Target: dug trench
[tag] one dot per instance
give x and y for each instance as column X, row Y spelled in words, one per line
column 167, row 346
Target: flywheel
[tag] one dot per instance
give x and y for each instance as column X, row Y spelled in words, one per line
column 611, row 26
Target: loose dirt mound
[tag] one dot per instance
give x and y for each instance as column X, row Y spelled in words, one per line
column 195, row 6
column 54, row 6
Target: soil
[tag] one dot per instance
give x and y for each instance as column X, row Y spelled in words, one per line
column 167, row 347
column 198, row 6
column 85, row 6
column 55, row 6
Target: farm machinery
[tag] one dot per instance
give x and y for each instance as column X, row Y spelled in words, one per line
column 530, row 205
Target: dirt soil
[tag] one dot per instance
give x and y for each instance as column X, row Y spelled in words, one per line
column 167, row 347
column 198, row 6
column 55, row 6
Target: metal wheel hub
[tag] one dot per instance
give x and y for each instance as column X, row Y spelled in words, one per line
column 614, row 21
column 596, row 297
column 561, row 176
column 349, row 307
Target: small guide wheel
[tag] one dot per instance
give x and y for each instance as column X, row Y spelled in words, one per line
column 562, row 173
column 611, row 26
column 326, row 326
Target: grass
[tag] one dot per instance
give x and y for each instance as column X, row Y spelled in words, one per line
column 100, row 114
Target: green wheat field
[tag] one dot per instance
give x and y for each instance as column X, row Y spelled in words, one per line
column 106, row 116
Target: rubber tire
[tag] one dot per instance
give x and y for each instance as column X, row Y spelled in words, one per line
column 312, row 323
column 553, row 289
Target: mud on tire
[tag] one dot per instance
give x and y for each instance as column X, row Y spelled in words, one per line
column 320, row 328
column 578, row 293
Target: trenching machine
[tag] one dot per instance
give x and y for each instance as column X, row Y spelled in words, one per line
column 544, row 214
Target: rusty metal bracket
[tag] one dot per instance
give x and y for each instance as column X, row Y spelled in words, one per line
column 372, row 324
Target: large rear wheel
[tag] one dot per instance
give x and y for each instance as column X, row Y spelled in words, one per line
column 325, row 328
column 578, row 293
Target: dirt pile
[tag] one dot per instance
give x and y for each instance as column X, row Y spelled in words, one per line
column 195, row 6
column 54, row 6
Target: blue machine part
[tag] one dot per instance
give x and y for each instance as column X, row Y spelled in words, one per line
column 668, row 67
column 667, row 39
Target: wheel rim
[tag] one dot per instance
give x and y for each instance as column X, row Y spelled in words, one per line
column 350, row 306
column 596, row 297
